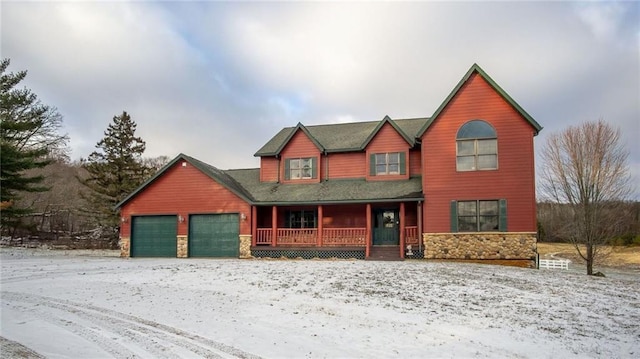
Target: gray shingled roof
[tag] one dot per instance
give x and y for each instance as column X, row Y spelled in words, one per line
column 340, row 137
column 246, row 184
column 334, row 191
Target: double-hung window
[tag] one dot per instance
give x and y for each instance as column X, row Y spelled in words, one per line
column 390, row 163
column 476, row 147
column 300, row 168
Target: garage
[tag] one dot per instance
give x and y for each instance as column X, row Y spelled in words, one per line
column 154, row 236
column 214, row 235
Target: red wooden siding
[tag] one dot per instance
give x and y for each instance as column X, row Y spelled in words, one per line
column 345, row 216
column 264, row 217
column 415, row 163
column 347, row 165
column 514, row 180
column 411, row 214
column 387, row 140
column 336, row 216
column 300, row 146
column 183, row 191
column 268, row 169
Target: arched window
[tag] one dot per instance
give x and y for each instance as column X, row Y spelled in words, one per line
column 476, row 147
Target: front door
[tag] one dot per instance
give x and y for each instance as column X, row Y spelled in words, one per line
column 386, row 223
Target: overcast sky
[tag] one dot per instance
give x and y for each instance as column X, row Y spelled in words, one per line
column 216, row 80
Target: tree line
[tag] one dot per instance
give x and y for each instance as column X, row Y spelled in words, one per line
column 46, row 195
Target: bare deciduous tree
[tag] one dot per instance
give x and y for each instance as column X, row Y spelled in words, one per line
column 585, row 173
column 57, row 211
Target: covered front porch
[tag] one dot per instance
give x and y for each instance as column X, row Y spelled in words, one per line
column 336, row 230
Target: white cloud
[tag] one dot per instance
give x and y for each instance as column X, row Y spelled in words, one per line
column 602, row 18
column 217, row 80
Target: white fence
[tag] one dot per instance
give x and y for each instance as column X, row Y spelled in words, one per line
column 553, row 264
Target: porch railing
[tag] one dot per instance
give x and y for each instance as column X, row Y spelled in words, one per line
column 263, row 236
column 309, row 236
column 330, row 236
column 297, row 236
column 344, row 236
column 411, row 235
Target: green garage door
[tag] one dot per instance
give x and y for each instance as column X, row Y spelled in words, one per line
column 154, row 236
column 214, row 235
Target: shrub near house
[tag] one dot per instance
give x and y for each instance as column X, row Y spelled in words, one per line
column 457, row 185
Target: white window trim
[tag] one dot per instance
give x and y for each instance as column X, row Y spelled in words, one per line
column 387, row 163
column 300, row 168
column 476, row 155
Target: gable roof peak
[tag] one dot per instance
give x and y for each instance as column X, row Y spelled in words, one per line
column 475, row 68
column 344, row 137
column 212, row 172
column 303, row 128
column 411, row 141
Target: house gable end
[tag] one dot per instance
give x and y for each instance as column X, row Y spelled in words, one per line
column 475, row 69
column 387, row 140
column 511, row 177
column 387, row 120
column 300, row 146
column 212, row 172
column 287, row 139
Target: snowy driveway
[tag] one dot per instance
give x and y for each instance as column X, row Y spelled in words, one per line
column 64, row 305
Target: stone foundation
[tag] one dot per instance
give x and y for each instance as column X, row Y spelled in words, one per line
column 245, row 246
column 125, row 246
column 183, row 246
column 480, row 246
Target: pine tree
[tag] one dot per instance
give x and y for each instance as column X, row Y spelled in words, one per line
column 28, row 138
column 115, row 170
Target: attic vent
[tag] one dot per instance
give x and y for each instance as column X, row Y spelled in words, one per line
column 184, row 164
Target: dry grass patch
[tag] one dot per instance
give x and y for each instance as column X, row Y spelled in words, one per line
column 616, row 256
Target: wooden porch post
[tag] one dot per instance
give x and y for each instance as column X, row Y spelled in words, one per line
column 254, row 225
column 274, row 225
column 419, row 225
column 402, row 227
column 320, row 225
column 368, row 238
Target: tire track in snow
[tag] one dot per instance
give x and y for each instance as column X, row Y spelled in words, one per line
column 108, row 345
column 11, row 349
column 159, row 339
column 29, row 274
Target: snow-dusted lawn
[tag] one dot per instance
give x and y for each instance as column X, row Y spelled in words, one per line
column 80, row 305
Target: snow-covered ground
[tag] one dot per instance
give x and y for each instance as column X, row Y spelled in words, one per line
column 84, row 305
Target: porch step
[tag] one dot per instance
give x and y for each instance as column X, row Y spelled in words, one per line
column 384, row 253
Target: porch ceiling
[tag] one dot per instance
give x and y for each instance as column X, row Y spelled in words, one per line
column 336, row 191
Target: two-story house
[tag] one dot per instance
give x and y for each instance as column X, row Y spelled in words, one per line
column 457, row 185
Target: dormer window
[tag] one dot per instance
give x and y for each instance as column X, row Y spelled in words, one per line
column 300, row 168
column 387, row 163
column 391, row 163
column 476, row 147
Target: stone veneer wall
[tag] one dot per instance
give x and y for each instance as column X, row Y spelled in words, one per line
column 183, row 246
column 245, row 246
column 125, row 246
column 482, row 245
